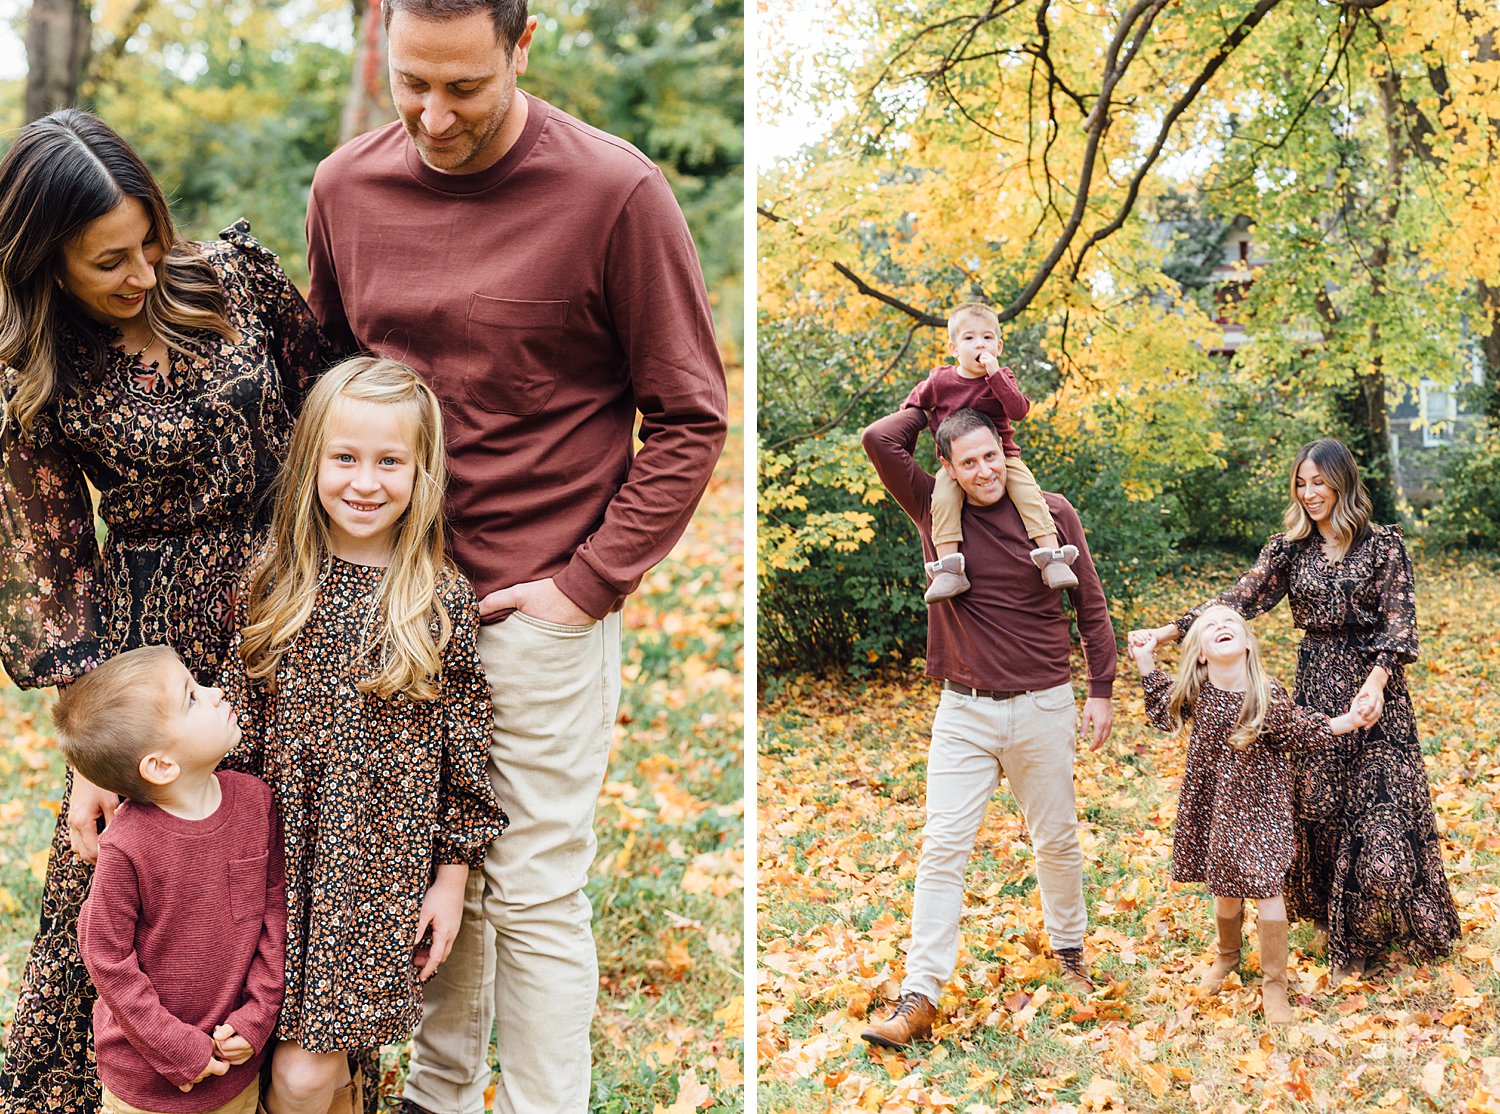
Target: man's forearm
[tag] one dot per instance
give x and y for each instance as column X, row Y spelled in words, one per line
column 648, row 514
column 660, row 315
column 890, row 443
column 1095, row 627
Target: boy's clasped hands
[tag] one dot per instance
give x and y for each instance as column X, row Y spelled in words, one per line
column 229, row 1049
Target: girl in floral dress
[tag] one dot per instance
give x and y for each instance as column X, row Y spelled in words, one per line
column 1367, row 867
column 165, row 375
column 1234, row 812
column 364, row 706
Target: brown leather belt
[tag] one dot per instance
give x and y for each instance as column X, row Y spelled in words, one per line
column 965, row 690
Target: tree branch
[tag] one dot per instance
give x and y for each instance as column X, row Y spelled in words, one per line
column 1124, row 50
column 921, row 317
column 102, row 72
column 1220, row 56
column 854, row 399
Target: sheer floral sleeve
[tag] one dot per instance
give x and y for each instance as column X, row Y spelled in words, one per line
column 1157, row 685
column 49, row 622
column 1396, row 643
column 1290, row 728
column 1259, row 590
column 301, row 352
column 469, row 816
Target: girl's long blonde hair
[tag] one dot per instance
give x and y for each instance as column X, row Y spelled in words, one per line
column 409, row 626
column 1192, row 672
column 1350, row 517
column 63, row 172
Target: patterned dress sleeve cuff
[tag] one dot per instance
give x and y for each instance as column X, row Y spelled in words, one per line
column 62, row 664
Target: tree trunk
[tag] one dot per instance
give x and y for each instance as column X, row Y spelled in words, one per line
column 369, row 103
column 1364, row 404
column 1361, row 406
column 58, row 42
column 1489, row 345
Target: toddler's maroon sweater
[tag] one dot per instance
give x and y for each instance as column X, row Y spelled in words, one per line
column 183, row 930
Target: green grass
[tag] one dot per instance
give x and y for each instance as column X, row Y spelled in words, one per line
column 841, row 778
column 31, row 782
column 667, row 884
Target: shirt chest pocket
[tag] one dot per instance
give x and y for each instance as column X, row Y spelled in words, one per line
column 513, row 348
column 247, row 888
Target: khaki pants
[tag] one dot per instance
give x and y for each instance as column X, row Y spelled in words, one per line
column 525, row 954
column 242, row 1103
column 1020, row 485
column 1030, row 740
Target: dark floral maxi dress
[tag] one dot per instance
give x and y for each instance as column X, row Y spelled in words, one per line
column 1367, row 861
column 374, row 792
column 183, row 458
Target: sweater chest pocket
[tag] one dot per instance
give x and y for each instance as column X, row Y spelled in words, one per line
column 513, row 348
column 247, row 888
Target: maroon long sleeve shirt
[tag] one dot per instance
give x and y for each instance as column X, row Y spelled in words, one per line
column 1008, row 632
column 946, row 391
column 184, row 929
column 546, row 299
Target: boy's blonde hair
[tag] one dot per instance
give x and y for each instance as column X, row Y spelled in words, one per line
column 409, row 627
column 971, row 309
column 1192, row 672
column 109, row 719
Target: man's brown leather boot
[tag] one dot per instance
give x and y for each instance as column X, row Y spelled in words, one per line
column 911, row 1020
column 1075, row 971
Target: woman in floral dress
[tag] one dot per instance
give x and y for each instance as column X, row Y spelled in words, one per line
column 166, row 375
column 1367, row 867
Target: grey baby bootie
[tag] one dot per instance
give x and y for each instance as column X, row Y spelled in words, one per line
column 948, row 579
column 1054, row 565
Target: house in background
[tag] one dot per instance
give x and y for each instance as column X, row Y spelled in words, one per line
column 1421, row 423
column 1436, row 417
column 1231, row 280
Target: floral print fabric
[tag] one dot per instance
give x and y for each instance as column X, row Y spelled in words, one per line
column 373, row 793
column 1234, row 811
column 1367, row 861
column 182, row 458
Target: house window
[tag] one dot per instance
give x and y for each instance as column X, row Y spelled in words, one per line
column 1439, row 409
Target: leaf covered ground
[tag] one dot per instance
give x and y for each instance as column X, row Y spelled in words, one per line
column 841, row 769
column 668, row 882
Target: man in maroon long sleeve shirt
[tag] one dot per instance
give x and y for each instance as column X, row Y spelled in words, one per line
column 1001, row 652
column 539, row 274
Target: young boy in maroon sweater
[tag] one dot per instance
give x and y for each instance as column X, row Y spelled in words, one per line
column 976, row 380
column 184, row 930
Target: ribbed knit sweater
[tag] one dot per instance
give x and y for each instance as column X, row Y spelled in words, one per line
column 184, row 930
column 946, row 391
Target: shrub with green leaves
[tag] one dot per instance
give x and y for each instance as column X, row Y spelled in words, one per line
column 1469, row 515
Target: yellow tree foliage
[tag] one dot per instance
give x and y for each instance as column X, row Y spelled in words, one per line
column 1021, row 152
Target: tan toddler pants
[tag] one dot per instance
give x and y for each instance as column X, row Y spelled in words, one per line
column 242, row 1103
column 1020, row 485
